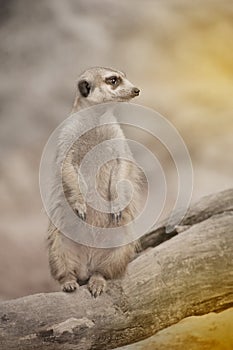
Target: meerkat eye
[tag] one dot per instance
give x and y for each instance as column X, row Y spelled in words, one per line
column 114, row 80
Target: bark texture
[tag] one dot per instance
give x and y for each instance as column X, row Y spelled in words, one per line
column 190, row 274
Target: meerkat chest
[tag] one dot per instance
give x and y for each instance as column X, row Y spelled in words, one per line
column 103, row 142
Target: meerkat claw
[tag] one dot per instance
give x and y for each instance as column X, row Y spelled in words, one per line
column 69, row 286
column 116, row 217
column 96, row 285
column 80, row 210
column 81, row 215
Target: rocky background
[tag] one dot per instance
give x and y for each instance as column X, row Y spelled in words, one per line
column 180, row 53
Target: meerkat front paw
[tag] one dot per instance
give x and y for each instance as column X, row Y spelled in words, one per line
column 97, row 285
column 69, row 286
column 81, row 209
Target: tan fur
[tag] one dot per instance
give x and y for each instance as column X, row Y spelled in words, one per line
column 72, row 263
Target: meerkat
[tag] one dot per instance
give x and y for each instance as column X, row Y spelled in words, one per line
column 73, row 264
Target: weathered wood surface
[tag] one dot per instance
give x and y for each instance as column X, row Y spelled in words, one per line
column 213, row 331
column 208, row 206
column 191, row 274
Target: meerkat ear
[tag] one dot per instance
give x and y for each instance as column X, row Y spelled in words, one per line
column 84, row 87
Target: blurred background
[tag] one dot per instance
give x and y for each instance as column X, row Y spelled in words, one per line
column 180, row 54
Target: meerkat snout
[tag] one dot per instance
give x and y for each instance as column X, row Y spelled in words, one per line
column 135, row 91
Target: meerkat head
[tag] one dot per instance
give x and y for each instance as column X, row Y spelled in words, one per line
column 99, row 85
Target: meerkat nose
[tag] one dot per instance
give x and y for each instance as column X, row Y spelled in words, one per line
column 136, row 91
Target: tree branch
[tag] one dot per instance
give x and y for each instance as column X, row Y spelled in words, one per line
column 208, row 206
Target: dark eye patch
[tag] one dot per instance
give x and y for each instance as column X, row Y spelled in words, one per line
column 113, row 80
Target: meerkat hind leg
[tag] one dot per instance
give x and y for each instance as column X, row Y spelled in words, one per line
column 97, row 284
column 61, row 261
